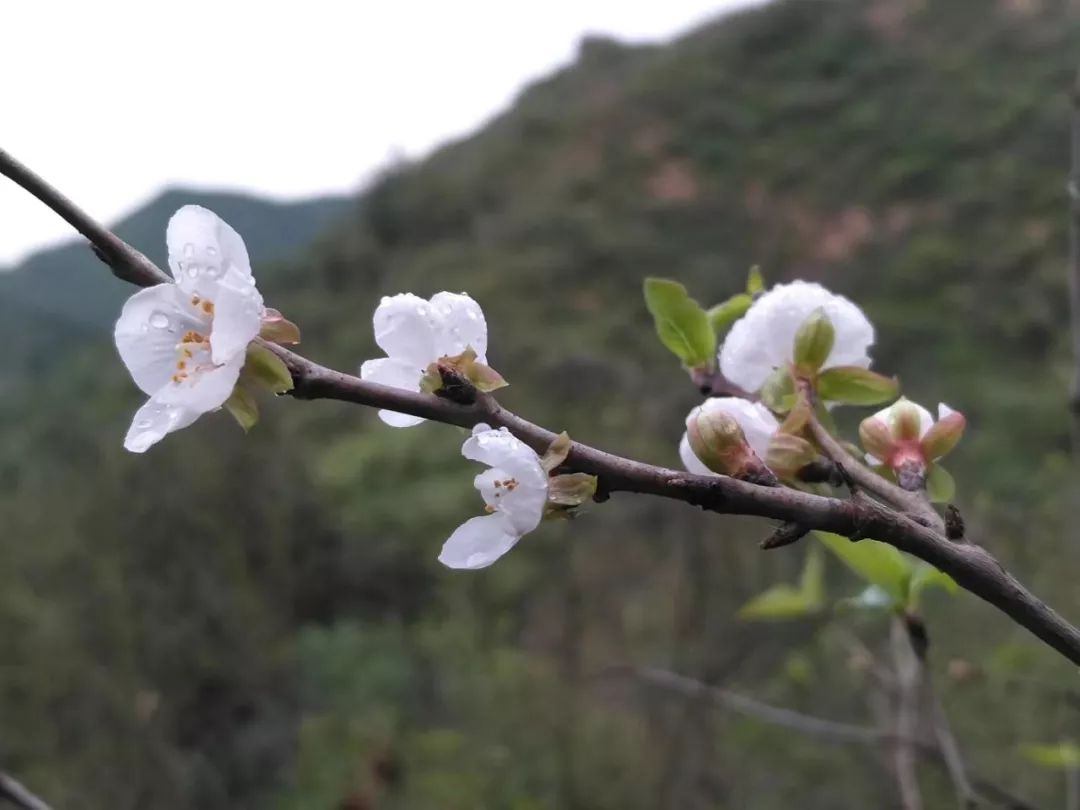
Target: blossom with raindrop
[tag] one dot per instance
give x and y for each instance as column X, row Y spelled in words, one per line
column 515, row 491
column 185, row 342
column 415, row 333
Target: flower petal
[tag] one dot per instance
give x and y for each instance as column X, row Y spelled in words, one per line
column 763, row 339
column 524, row 493
column 202, row 248
column 890, row 416
column 398, row 374
column 150, row 326
column 177, row 404
column 405, row 329
column 690, row 461
column 238, row 311
column 460, row 324
column 478, row 542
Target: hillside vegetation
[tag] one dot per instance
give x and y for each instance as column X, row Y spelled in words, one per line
column 259, row 621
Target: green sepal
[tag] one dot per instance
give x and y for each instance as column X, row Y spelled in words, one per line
column 567, row 492
column 556, row 453
column 940, row 486
column 778, row 391
column 681, row 324
column 277, row 328
column 814, row 341
column 264, row 369
column 483, row 377
column 854, row 385
column 243, row 407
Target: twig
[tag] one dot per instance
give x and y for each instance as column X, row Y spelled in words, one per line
column 14, row 792
column 821, row 728
column 1074, row 253
column 971, row 566
column 908, row 672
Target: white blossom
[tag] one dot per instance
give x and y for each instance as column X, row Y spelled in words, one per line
column 514, row 490
column 415, row 333
column 185, row 342
column 763, row 340
column 757, row 422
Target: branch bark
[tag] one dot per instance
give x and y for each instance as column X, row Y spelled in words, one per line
column 972, row 567
column 13, row 792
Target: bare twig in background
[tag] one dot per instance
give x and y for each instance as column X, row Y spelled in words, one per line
column 972, row 567
column 13, row 792
column 1074, row 253
column 818, row 727
column 908, row 677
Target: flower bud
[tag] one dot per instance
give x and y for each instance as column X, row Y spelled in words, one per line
column 907, row 422
column 719, row 442
column 814, row 341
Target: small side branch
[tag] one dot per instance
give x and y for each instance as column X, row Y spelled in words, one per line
column 15, row 793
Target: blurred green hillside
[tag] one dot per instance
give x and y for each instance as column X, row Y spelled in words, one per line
column 252, row 622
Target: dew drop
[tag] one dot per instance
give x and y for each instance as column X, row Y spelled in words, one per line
column 159, row 320
column 211, row 250
column 189, row 250
column 142, row 424
column 193, row 270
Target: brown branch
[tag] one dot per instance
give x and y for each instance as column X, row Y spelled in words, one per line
column 819, row 727
column 1074, row 251
column 971, row 566
column 13, row 792
column 908, row 676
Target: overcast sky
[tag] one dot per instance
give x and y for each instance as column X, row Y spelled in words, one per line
column 112, row 100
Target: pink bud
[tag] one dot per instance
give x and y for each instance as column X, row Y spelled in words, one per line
column 943, row 436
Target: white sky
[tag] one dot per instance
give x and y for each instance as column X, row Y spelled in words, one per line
column 112, row 100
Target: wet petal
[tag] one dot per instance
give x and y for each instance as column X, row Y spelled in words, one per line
column 757, row 422
column 398, row 374
column 460, row 324
column 405, row 329
column 690, row 461
column 238, row 310
column 202, row 248
column 763, row 339
column 478, row 542
column 500, row 448
column 150, row 326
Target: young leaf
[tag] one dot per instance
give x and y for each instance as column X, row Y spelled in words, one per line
column 755, row 281
column 855, row 385
column 876, row 563
column 814, row 341
column 926, row 576
column 778, row 392
column 869, row 598
column 682, row 325
column 723, row 315
column 778, row 603
column 1062, row 756
column 241, row 404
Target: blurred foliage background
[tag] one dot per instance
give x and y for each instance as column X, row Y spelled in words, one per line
column 259, row 621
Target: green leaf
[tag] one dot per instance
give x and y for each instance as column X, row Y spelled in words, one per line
column 778, row 603
column 723, row 315
column 814, row 341
column 265, row 369
column 856, row 386
column 243, row 407
column 755, row 281
column 1062, row 756
column 682, row 325
column 782, row 602
column 556, row 453
column 778, row 392
column 876, row 563
column 940, row 486
column 926, row 576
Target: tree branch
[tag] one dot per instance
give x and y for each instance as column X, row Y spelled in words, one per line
column 13, row 792
column 971, row 566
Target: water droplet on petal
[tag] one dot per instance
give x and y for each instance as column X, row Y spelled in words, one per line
column 193, row 270
column 189, row 250
column 211, row 250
